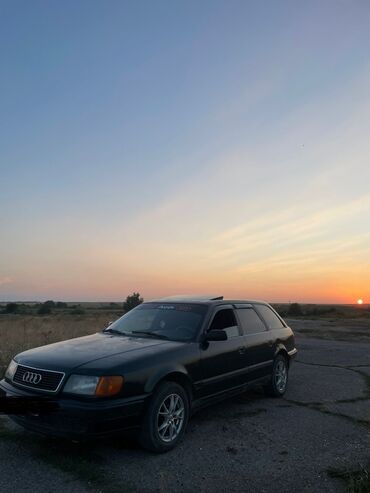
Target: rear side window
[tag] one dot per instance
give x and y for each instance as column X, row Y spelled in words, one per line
column 250, row 321
column 225, row 320
column 272, row 320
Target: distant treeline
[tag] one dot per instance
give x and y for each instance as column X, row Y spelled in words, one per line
column 285, row 310
column 309, row 310
column 51, row 306
column 40, row 308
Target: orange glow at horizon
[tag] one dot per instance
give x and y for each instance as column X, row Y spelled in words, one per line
column 359, row 301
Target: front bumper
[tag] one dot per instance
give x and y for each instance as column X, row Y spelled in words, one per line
column 78, row 419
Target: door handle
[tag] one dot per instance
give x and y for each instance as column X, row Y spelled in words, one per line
column 241, row 350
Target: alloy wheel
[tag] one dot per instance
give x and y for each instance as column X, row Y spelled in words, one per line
column 281, row 376
column 170, row 417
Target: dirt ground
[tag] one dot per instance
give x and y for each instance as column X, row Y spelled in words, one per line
column 339, row 329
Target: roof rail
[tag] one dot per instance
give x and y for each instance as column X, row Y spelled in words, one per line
column 192, row 297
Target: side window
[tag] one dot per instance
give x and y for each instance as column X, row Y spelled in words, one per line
column 250, row 321
column 225, row 320
column 272, row 321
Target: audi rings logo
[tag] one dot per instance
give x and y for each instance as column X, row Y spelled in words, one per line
column 30, row 377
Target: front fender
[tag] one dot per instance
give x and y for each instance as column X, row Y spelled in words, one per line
column 162, row 373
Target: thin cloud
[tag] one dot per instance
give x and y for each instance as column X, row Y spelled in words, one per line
column 5, row 280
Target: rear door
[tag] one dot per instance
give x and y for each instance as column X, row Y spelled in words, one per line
column 222, row 362
column 259, row 344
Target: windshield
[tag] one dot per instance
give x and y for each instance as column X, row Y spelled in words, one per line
column 173, row 321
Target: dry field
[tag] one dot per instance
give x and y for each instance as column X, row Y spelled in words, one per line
column 21, row 332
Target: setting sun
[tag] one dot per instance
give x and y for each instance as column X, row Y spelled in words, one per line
column 359, row 301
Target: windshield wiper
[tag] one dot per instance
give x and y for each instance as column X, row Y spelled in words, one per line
column 152, row 334
column 113, row 331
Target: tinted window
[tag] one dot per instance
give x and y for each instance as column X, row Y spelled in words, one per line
column 272, row 321
column 250, row 321
column 225, row 320
column 175, row 321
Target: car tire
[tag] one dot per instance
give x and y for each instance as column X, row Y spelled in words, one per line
column 166, row 418
column 279, row 377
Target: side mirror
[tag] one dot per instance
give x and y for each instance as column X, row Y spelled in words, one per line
column 216, row 335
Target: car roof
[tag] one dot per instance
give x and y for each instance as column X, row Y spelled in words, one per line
column 208, row 300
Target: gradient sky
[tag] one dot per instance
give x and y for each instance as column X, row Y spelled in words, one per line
column 185, row 147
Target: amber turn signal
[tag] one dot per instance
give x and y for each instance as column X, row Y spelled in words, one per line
column 108, row 386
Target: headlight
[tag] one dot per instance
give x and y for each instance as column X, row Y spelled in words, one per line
column 94, row 386
column 12, row 368
column 81, row 384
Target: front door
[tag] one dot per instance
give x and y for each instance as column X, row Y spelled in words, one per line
column 222, row 362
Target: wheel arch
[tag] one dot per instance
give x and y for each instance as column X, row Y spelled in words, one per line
column 171, row 375
column 281, row 349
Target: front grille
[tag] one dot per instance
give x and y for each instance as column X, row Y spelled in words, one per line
column 35, row 378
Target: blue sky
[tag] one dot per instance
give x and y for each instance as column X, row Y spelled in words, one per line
column 184, row 147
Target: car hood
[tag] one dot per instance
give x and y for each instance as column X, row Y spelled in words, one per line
column 68, row 355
